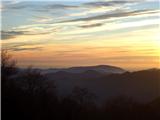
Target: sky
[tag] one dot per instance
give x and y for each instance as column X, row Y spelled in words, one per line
column 65, row 33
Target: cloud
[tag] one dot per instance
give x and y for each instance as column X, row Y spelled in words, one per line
column 15, row 5
column 107, row 3
column 37, row 6
column 61, row 6
column 23, row 46
column 116, row 14
column 10, row 34
column 52, row 7
column 91, row 25
column 41, row 19
column 26, row 30
column 122, row 27
column 139, row 59
column 26, row 49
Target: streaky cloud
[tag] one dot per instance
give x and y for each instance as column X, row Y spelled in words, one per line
column 91, row 25
column 108, row 3
column 14, row 33
column 27, row 49
column 116, row 14
column 61, row 6
column 10, row 34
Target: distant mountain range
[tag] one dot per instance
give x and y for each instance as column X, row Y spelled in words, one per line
column 107, row 81
column 105, row 69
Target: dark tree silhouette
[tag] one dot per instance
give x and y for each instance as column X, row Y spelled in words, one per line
column 8, row 67
column 79, row 105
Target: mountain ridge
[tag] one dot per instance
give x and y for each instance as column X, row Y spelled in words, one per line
column 107, row 69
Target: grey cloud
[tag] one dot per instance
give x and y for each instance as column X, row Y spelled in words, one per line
column 21, row 46
column 14, row 33
column 17, row 5
column 38, row 6
column 91, row 25
column 52, row 7
column 10, row 34
column 107, row 3
column 61, row 6
column 26, row 49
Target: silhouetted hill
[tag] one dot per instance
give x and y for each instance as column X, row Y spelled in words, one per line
column 63, row 75
column 99, row 68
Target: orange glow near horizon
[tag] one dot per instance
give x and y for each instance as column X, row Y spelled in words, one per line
column 83, row 36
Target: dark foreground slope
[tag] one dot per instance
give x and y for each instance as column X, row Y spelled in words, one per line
column 141, row 85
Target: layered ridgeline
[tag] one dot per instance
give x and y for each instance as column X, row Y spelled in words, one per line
column 99, row 68
column 107, row 81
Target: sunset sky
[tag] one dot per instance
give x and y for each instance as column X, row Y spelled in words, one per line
column 69, row 33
